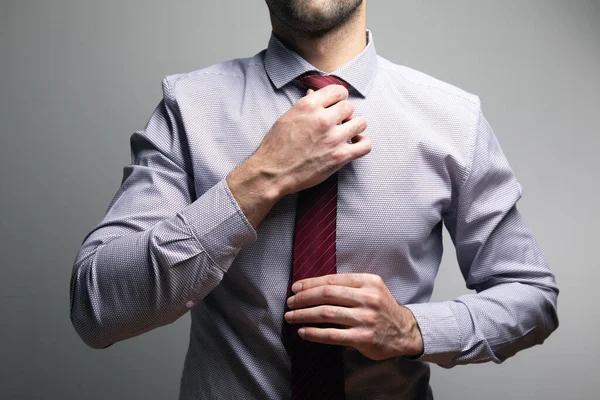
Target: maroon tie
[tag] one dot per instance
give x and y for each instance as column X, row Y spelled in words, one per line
column 317, row 370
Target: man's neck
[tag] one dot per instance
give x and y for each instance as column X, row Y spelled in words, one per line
column 327, row 51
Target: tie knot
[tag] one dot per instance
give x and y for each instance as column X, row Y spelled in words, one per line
column 316, row 82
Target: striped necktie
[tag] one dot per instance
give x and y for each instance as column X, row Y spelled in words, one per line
column 317, row 369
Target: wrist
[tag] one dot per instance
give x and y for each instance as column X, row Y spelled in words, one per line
column 254, row 191
column 251, row 179
column 412, row 340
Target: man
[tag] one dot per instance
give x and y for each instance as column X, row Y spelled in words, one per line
column 321, row 164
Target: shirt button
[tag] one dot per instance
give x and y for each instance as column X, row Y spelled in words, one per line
column 189, row 304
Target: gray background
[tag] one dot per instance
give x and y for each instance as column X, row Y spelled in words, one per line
column 79, row 77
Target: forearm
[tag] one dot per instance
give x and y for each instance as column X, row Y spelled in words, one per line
column 124, row 286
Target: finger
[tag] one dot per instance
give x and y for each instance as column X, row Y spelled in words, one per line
column 330, row 95
column 356, row 125
column 309, row 91
column 329, row 294
column 350, row 118
column 361, row 146
column 346, row 337
column 325, row 314
column 340, row 111
column 350, row 280
column 345, row 134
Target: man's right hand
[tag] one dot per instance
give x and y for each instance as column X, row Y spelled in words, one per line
column 305, row 146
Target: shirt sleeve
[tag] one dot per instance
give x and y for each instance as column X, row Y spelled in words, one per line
column 514, row 306
column 156, row 253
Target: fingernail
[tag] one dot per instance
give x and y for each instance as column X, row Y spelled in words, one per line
column 288, row 315
column 301, row 332
column 296, row 287
column 290, row 301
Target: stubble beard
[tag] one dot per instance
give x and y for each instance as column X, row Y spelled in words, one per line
column 313, row 18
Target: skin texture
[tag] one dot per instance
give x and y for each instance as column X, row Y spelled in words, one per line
column 304, row 147
column 374, row 323
column 327, row 33
column 314, row 17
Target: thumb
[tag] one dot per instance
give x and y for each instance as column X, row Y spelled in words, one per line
column 309, row 91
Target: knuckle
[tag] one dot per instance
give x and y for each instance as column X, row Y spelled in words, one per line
column 339, row 156
column 343, row 92
column 329, row 140
column 377, row 300
column 334, row 336
column 376, row 280
column 368, row 336
column 328, row 291
column 362, row 123
column 371, row 299
column 370, row 317
column 329, row 312
column 307, row 103
column 337, row 91
column 348, row 107
column 322, row 121
column 345, row 292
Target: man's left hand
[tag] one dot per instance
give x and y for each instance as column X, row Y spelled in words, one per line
column 371, row 319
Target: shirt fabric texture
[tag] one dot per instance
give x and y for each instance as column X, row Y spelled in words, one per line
column 174, row 240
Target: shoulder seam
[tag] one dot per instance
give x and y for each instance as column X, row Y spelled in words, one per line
column 204, row 72
column 472, row 143
column 196, row 73
column 168, row 90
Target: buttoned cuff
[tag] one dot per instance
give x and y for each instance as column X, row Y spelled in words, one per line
column 442, row 341
column 219, row 225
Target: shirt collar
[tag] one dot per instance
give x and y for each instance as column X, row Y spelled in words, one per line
column 283, row 64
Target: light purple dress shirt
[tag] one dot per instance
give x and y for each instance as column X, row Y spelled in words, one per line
column 174, row 240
